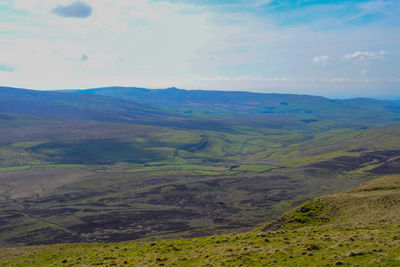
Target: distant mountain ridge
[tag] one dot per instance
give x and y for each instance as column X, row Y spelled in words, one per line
column 55, row 104
column 310, row 107
column 128, row 104
column 202, row 98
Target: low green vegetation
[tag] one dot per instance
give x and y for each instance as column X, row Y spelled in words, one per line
column 376, row 202
column 372, row 246
column 179, row 167
column 254, row 168
column 59, row 166
column 14, row 168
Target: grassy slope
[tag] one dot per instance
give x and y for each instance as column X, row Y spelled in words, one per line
column 357, row 227
column 376, row 202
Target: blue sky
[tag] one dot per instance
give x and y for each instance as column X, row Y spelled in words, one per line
column 337, row 49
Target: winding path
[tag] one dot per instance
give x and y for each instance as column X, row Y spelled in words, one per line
column 245, row 144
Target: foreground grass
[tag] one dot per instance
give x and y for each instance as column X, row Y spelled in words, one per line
column 313, row 246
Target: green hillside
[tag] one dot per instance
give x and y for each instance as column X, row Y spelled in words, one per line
column 376, row 202
column 360, row 227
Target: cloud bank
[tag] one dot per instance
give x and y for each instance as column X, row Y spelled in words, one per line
column 365, row 56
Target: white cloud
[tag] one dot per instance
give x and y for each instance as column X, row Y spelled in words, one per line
column 321, row 60
column 366, row 56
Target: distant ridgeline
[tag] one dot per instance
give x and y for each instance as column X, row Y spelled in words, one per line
column 174, row 107
column 310, row 107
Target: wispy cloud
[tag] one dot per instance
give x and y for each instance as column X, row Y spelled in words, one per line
column 321, row 60
column 365, row 56
column 74, row 10
column 340, row 80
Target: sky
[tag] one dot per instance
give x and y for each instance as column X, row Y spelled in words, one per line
column 337, row 49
